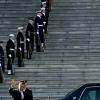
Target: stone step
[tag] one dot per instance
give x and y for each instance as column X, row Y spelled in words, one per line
column 84, row 13
column 67, row 58
column 20, row 5
column 7, row 13
column 5, row 32
column 12, row 10
column 63, row 62
column 74, row 29
column 67, row 48
column 15, row 16
column 46, row 76
column 68, row 45
column 41, row 95
column 18, row 9
column 73, row 1
column 83, row 22
column 81, row 67
column 18, row 1
column 41, row 84
column 64, row 35
column 64, row 54
column 83, row 59
column 42, row 98
column 73, row 39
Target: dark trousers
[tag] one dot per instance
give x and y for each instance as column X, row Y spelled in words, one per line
column 20, row 56
column 38, row 43
column 1, row 75
column 9, row 65
column 3, row 64
column 29, row 50
column 20, row 60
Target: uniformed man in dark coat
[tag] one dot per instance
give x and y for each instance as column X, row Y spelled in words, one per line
column 45, row 22
column 39, row 32
column 10, row 50
column 45, row 11
column 20, row 46
column 22, row 93
column 30, row 38
column 2, row 61
column 49, row 2
column 47, row 5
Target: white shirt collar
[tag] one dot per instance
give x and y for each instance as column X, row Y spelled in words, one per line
column 39, row 16
column 22, row 95
column 12, row 40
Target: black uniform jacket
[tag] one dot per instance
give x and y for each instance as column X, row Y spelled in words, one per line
column 30, row 35
column 10, row 48
column 20, row 44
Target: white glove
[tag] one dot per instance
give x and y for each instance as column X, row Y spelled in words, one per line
column 43, row 2
column 44, row 23
column 28, row 39
column 9, row 55
column 11, row 49
column 20, row 49
column 43, row 30
column 37, row 32
column 22, row 42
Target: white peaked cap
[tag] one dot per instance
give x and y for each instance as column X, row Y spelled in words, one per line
column 11, row 35
column 20, row 28
column 44, row 2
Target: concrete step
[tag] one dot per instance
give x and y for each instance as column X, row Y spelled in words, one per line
column 18, row 1
column 15, row 5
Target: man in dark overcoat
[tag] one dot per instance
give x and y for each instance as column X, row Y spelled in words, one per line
column 30, row 38
column 20, row 46
column 39, row 32
column 45, row 22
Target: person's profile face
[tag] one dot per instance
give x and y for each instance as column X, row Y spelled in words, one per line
column 14, row 83
column 31, row 21
column 22, row 86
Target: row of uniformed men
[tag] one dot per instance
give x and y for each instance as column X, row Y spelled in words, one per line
column 36, row 29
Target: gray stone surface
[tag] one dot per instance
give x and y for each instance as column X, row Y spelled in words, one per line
column 72, row 55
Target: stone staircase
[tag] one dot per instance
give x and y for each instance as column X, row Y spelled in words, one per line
column 72, row 55
column 15, row 13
